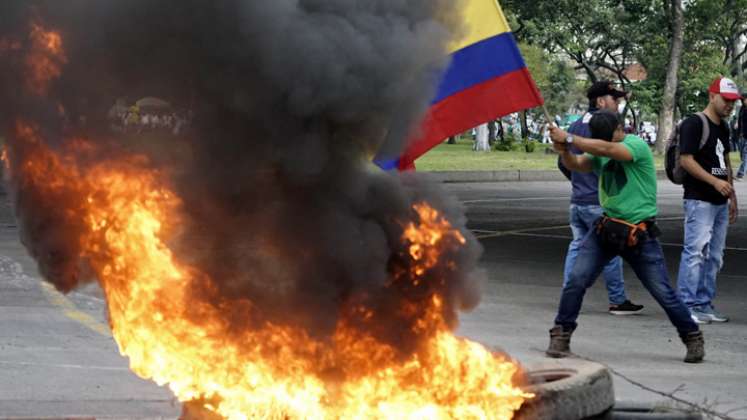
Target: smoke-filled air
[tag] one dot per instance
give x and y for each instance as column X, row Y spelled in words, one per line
column 252, row 258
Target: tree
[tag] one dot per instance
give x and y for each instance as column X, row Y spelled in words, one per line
column 604, row 37
column 601, row 36
column 554, row 77
column 492, row 126
column 481, row 140
column 722, row 23
column 666, row 113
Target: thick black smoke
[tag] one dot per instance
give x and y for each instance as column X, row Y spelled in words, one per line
column 289, row 99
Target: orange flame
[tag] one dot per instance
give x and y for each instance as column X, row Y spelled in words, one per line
column 44, row 59
column 171, row 323
column 424, row 239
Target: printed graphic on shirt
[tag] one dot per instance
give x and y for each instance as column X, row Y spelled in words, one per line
column 711, row 156
column 614, row 178
column 721, row 170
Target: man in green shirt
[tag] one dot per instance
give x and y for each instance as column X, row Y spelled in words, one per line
column 627, row 193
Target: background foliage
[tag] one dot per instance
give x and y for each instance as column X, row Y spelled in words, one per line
column 602, row 38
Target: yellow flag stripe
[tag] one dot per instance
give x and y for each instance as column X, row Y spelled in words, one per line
column 482, row 19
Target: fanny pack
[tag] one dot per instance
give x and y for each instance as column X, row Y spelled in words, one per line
column 618, row 235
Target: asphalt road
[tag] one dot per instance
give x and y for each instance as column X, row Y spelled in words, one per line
column 58, row 359
column 524, row 230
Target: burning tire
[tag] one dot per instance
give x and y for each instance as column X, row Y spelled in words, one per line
column 194, row 410
column 567, row 390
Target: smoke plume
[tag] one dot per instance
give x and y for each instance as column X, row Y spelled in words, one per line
column 287, row 101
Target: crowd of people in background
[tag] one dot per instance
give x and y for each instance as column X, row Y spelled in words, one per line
column 135, row 119
column 510, row 125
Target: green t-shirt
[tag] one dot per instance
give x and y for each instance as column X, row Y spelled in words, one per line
column 627, row 190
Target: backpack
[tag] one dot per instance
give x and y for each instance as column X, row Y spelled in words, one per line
column 674, row 169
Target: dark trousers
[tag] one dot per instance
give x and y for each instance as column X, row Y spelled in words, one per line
column 647, row 260
column 743, row 156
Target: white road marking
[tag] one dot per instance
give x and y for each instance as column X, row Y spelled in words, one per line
column 485, row 234
column 64, row 366
column 494, row 234
column 564, row 197
column 504, row 200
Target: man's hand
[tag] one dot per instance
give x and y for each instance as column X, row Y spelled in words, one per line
column 560, row 147
column 723, row 187
column 558, row 135
column 733, row 208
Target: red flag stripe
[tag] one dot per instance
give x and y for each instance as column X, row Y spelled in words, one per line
column 471, row 107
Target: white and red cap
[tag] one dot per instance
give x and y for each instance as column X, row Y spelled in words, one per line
column 726, row 88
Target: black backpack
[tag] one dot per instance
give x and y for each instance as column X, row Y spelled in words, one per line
column 674, row 169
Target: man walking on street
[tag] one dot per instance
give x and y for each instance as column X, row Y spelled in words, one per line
column 627, row 194
column 742, row 139
column 709, row 200
column 585, row 209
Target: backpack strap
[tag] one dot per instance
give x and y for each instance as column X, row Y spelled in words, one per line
column 674, row 136
column 706, row 129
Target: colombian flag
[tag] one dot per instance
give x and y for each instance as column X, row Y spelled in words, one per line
column 486, row 79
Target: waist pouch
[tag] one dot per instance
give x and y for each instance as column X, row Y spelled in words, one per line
column 618, row 235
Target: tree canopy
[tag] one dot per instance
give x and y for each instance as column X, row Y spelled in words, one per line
column 603, row 38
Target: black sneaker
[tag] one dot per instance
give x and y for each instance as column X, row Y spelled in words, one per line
column 625, row 308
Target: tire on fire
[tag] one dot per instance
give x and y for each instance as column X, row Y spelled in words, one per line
column 567, row 389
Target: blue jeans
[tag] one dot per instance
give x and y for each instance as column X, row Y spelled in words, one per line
column 743, row 156
column 647, row 260
column 703, row 252
column 582, row 219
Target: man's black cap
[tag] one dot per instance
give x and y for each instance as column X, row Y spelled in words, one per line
column 604, row 88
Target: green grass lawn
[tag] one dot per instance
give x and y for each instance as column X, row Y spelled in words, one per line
column 460, row 157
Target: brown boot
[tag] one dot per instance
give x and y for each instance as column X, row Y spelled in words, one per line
column 560, row 343
column 695, row 347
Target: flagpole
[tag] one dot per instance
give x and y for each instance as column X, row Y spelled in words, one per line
column 547, row 114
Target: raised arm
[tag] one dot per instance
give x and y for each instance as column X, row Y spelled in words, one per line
column 576, row 163
column 595, row 147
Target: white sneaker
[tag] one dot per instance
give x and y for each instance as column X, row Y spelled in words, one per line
column 714, row 316
column 700, row 317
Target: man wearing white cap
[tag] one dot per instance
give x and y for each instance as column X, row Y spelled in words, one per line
column 709, row 201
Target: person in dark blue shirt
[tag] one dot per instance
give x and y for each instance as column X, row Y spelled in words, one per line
column 585, row 209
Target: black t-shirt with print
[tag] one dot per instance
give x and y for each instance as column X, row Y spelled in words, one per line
column 711, row 157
